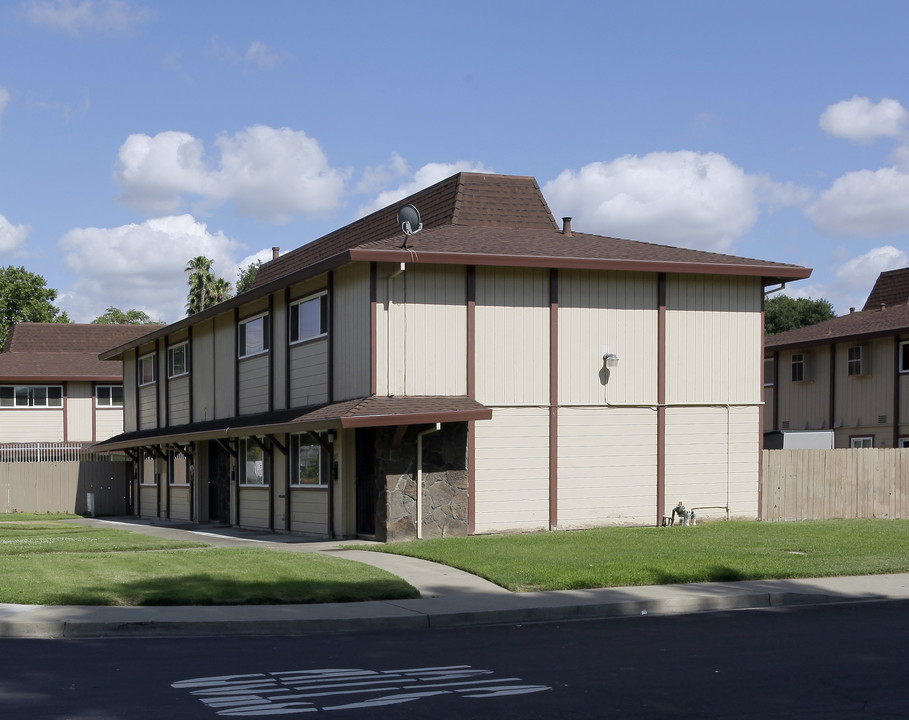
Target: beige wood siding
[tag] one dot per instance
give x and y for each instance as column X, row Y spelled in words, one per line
column 148, row 505
column 130, row 391
column 179, row 502
column 178, row 400
column 202, row 370
column 350, row 310
column 108, row 422
column 422, row 330
column 607, row 466
column 711, row 459
column 607, row 311
column 512, row 470
column 309, row 511
column 225, row 361
column 863, row 400
column 254, row 384
column 80, row 405
column 713, row 339
column 805, row 405
column 27, row 425
column 148, row 406
column 279, row 358
column 254, row 507
column 512, row 336
column 309, row 373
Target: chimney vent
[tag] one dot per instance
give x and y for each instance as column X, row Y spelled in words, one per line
column 566, row 226
column 883, row 306
column 275, row 251
column 851, row 310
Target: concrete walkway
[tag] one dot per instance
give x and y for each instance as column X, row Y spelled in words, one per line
column 450, row 598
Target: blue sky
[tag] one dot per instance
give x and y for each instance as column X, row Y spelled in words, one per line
column 135, row 135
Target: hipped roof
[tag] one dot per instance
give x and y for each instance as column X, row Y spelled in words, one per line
column 55, row 352
column 864, row 325
column 482, row 219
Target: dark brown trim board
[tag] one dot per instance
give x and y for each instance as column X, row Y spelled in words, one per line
column 471, row 393
column 271, row 355
column 831, row 390
column 896, row 391
column 661, row 399
column 553, row 399
column 763, row 407
column 331, row 336
column 373, row 339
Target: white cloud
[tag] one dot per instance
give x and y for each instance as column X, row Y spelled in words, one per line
column 865, row 203
column 73, row 17
column 861, row 120
column 678, row 198
column 854, row 278
column 262, row 56
column 4, row 101
column 258, row 55
column 271, row 174
column 12, row 237
column 140, row 266
column 377, row 177
column 427, row 175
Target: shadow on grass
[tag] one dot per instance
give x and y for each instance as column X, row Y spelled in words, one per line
column 211, row 590
column 717, row 573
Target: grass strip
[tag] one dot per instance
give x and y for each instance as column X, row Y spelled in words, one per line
column 21, row 517
column 23, row 537
column 214, row 576
column 716, row 551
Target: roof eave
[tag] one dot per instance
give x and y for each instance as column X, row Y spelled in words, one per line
column 769, row 274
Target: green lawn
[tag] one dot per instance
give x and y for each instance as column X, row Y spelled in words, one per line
column 54, row 563
column 614, row 557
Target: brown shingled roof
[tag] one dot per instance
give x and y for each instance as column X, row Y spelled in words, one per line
column 859, row 325
column 891, row 288
column 36, row 352
column 481, row 219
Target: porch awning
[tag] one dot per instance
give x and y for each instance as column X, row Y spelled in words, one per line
column 373, row 411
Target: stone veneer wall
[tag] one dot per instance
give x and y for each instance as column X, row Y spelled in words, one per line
column 445, row 487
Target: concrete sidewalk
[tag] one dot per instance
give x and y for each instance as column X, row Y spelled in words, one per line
column 450, row 598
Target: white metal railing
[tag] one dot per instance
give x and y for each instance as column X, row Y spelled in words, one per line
column 52, row 452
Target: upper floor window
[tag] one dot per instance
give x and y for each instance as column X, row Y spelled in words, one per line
column 178, row 360
column 309, row 318
column 306, row 461
column 109, row 396
column 855, row 360
column 34, row 396
column 147, row 369
column 904, row 356
column 864, row 441
column 252, row 463
column 903, row 443
column 253, row 336
column 769, row 370
column 799, row 367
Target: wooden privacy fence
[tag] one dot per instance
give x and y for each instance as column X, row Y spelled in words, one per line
column 64, row 486
column 828, row 484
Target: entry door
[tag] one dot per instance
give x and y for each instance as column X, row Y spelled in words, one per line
column 218, row 484
column 367, row 490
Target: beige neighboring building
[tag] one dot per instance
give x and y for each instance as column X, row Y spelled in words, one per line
column 849, row 374
column 54, row 390
column 510, row 373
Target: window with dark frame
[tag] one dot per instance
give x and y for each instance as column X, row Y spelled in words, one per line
column 862, row 442
column 904, row 356
column 252, row 463
column 798, row 367
column 854, row 364
column 309, row 318
column 769, row 378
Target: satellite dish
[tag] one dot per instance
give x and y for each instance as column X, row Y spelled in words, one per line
column 409, row 220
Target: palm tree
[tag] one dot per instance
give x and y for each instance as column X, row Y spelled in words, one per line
column 221, row 290
column 201, row 284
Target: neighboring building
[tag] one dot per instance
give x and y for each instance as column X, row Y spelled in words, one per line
column 511, row 374
column 54, row 390
column 849, row 374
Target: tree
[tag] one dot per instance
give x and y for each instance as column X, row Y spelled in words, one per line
column 205, row 289
column 115, row 316
column 25, row 297
column 783, row 313
column 247, row 276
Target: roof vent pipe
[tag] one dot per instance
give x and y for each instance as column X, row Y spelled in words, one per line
column 851, row 310
column 883, row 306
column 275, row 251
column 566, row 226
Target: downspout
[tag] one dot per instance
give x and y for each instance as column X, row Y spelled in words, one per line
column 389, row 290
column 419, row 492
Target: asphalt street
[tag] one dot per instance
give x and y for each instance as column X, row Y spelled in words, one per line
column 829, row 661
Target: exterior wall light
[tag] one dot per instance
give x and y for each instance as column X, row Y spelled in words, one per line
column 611, row 360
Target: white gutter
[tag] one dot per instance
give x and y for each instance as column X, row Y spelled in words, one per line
column 420, row 477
